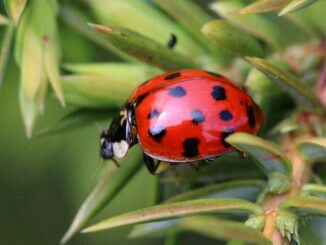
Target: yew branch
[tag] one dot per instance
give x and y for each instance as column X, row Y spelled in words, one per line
column 301, row 174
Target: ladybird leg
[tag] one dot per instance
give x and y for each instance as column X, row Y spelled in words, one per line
column 116, row 162
column 208, row 160
column 176, row 175
column 175, row 171
column 157, row 165
column 149, row 162
column 243, row 88
column 242, row 154
column 194, row 166
column 172, row 41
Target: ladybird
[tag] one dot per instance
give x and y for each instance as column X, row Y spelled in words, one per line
column 181, row 117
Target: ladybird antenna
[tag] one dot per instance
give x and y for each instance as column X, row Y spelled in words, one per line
column 98, row 127
column 99, row 166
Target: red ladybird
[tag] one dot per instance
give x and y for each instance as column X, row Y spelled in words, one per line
column 181, row 116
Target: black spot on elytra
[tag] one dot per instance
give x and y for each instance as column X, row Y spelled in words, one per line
column 225, row 134
column 190, row 146
column 152, row 114
column 225, row 115
column 251, row 116
column 157, row 133
column 177, row 92
column 214, row 74
column 172, row 76
column 218, row 93
column 197, row 117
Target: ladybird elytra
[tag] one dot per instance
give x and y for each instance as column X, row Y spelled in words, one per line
column 185, row 116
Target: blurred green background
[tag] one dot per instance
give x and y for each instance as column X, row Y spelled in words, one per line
column 44, row 181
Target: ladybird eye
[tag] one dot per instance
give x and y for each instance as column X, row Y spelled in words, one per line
column 104, row 153
column 106, row 150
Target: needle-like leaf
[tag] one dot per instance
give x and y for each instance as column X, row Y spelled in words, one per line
column 263, row 6
column 158, row 228
column 261, row 85
column 268, row 157
column 115, row 70
column 314, row 190
column 78, row 22
column 287, row 224
column 77, row 119
column 4, row 20
column 96, row 91
column 306, row 205
column 173, row 210
column 231, row 39
column 301, row 93
column 295, row 5
column 224, row 229
column 314, row 149
column 231, row 189
column 225, row 168
column 109, row 185
column 29, row 112
column 144, row 49
column 15, row 8
column 192, row 17
column 277, row 32
column 5, row 50
column 147, row 20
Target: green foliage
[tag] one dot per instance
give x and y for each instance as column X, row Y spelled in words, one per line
column 108, row 186
column 144, row 49
column 231, row 39
column 276, row 47
column 5, row 49
column 15, row 8
column 301, row 93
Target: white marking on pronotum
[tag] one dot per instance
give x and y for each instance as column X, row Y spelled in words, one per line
column 123, row 115
column 120, row 148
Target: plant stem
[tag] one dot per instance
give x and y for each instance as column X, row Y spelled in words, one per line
column 321, row 85
column 301, row 174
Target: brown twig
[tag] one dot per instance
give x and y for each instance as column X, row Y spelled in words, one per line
column 301, row 173
column 321, row 86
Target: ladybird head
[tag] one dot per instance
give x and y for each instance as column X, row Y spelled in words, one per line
column 106, row 150
column 113, row 141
